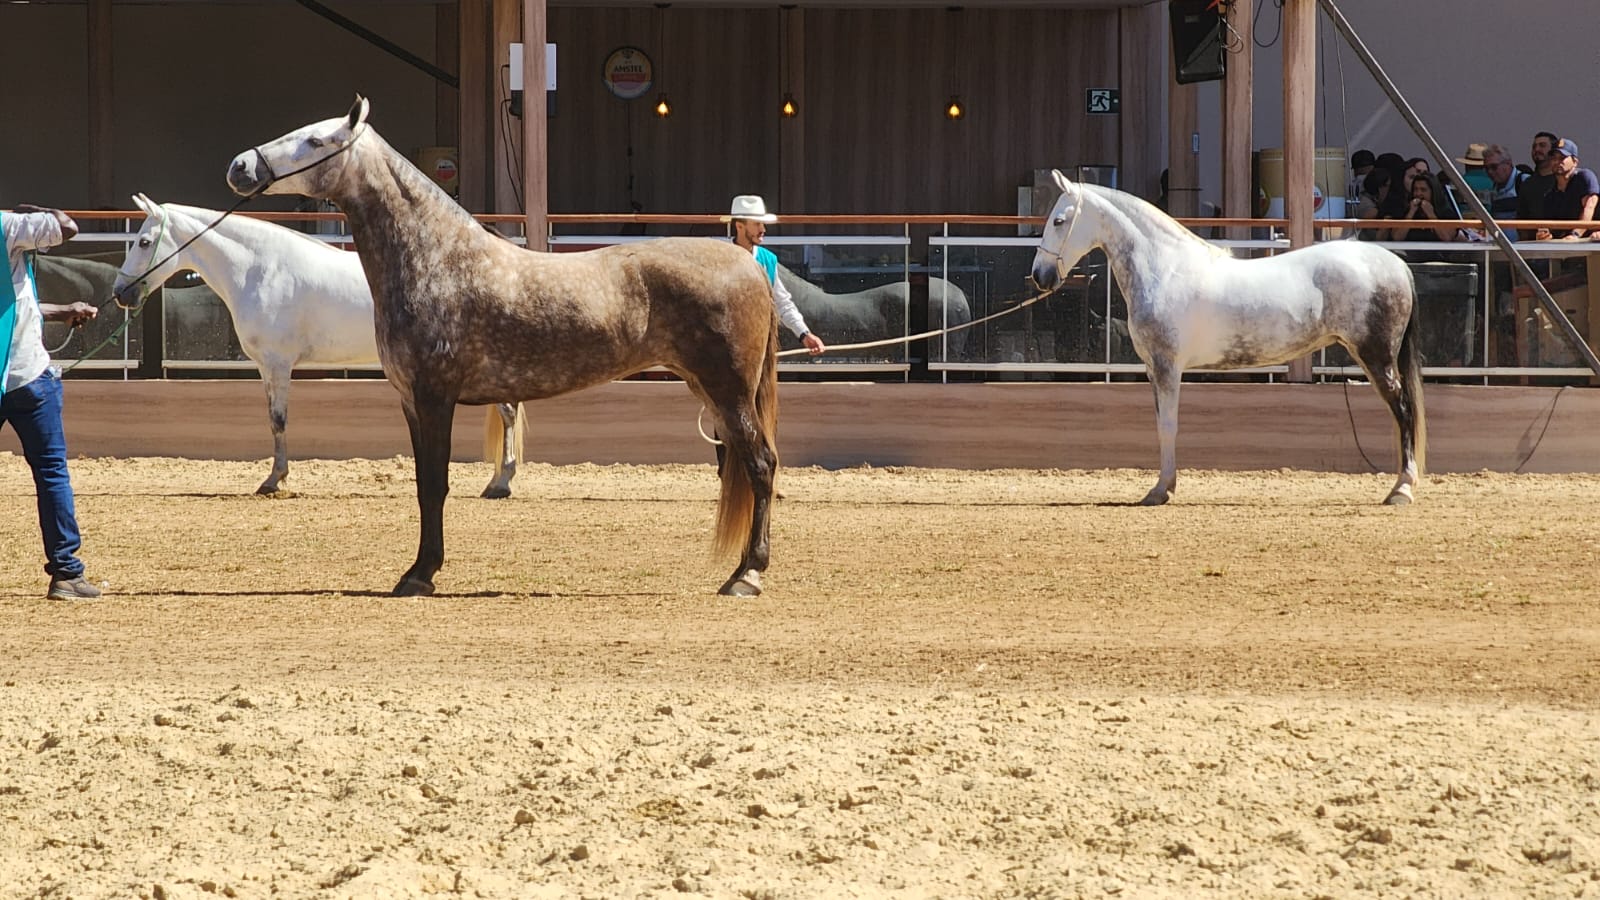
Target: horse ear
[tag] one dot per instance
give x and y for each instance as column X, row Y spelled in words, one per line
column 1061, row 180
column 358, row 111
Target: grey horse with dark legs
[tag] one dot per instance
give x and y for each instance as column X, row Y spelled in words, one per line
column 1191, row 304
column 464, row 316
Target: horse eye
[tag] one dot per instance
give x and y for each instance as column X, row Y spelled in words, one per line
column 315, row 142
column 1061, row 220
column 144, row 242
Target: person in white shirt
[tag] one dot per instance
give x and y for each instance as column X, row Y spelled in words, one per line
column 750, row 220
column 30, row 393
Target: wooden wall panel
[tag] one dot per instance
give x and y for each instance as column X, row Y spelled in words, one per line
column 874, row 137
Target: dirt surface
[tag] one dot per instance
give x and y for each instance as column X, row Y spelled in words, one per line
column 958, row 684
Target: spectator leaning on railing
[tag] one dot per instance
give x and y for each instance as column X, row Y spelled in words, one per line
column 1532, row 191
column 1575, row 194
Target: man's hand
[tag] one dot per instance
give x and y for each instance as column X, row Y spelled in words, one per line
column 813, row 343
column 74, row 314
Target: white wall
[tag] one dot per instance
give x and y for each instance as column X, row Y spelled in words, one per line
column 1473, row 70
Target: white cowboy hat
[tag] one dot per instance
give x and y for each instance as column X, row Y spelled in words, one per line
column 750, row 206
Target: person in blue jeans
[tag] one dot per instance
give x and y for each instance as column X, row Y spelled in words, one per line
column 30, row 391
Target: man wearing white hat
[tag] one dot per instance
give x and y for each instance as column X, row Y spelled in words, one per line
column 750, row 220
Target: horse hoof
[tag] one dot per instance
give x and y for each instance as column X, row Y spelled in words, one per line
column 413, row 587
column 494, row 492
column 1397, row 498
column 267, row 489
column 1155, row 498
column 746, row 585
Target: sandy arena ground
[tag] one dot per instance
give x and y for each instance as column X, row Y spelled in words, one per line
column 959, row 684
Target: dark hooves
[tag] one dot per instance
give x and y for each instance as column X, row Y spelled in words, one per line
column 495, row 493
column 747, row 584
column 413, row 587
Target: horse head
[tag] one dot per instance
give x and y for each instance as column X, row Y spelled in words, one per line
column 154, row 244
column 309, row 160
column 1058, row 251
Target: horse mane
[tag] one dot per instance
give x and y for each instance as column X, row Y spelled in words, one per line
column 253, row 227
column 416, row 186
column 1145, row 213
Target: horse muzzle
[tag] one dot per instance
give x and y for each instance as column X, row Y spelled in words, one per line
column 249, row 174
column 1045, row 276
column 120, row 293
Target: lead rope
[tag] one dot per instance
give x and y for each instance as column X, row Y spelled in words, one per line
column 699, row 422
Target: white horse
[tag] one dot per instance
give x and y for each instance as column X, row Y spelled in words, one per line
column 295, row 301
column 1192, row 304
column 871, row 313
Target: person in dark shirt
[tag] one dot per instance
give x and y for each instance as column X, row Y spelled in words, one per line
column 1532, row 191
column 1575, row 195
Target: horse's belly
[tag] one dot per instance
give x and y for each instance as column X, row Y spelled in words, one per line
column 1234, row 340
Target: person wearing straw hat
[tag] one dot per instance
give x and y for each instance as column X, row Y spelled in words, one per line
column 1473, row 171
column 750, row 220
column 30, row 391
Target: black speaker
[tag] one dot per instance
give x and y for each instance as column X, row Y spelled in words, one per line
column 1197, row 44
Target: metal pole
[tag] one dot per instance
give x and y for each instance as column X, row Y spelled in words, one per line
column 1517, row 262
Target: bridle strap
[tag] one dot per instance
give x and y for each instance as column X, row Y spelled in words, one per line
column 274, row 177
column 1061, row 268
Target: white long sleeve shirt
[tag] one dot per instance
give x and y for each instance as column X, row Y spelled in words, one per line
column 24, row 232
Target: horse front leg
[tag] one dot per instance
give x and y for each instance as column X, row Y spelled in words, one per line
column 276, row 377
column 430, row 422
column 1166, row 379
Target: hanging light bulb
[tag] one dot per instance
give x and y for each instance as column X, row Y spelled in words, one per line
column 954, row 110
column 790, row 109
column 663, row 106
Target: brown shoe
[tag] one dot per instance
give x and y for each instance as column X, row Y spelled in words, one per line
column 77, row 588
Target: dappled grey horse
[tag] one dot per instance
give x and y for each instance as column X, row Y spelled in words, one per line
column 465, row 316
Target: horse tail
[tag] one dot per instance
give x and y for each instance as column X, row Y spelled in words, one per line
column 737, row 502
column 494, row 434
column 1411, row 378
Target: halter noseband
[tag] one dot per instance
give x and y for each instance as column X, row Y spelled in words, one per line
column 166, row 216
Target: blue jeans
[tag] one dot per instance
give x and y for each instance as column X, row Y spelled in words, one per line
column 34, row 410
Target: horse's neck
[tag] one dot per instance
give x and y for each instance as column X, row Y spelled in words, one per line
column 387, row 201
column 221, row 255
column 1140, row 245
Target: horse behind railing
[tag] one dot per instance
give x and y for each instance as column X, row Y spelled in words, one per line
column 465, row 316
column 875, row 312
column 294, row 300
column 1192, row 304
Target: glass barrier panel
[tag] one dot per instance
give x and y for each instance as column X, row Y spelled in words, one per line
column 853, row 290
column 85, row 269
column 992, row 275
column 196, row 325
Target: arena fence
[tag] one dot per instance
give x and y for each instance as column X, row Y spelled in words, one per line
column 861, row 279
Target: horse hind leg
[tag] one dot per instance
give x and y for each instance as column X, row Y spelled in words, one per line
column 277, row 382
column 749, row 476
column 1398, row 383
column 502, row 445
